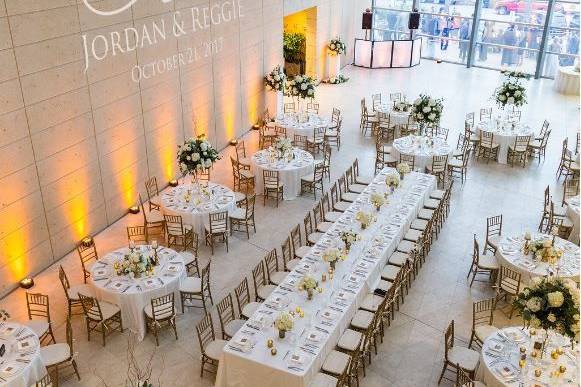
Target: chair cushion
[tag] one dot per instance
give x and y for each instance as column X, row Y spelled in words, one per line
column 332, row 216
column 384, row 285
column 483, row 331
column 398, row 258
column 154, row 216
column 456, row 163
column 237, row 213
column 38, row 326
column 489, row 146
column 85, row 290
column 357, row 188
column 425, row 214
column 365, row 180
column 494, row 240
column 389, row 272
column 431, row 204
column 54, row 354
column 249, row 309
column 302, row 251
column 188, row 257
column 466, row 358
column 191, row 285
column 341, row 206
column 412, row 235
column 233, row 326
column 336, row 362
column 314, row 237
column 324, row 226
column 349, row 340
column 308, row 178
column 487, row 262
column 362, row 319
column 323, row 380
column 277, row 277
column 349, row 196
column 108, row 310
column 437, row 194
column 149, row 313
column 264, row 291
column 405, row 246
column 419, row 224
column 292, row 263
column 371, row 302
column 214, row 349
column 246, row 174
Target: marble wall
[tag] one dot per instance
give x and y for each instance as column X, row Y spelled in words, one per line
column 82, row 127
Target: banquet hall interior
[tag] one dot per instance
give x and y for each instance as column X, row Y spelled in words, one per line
column 289, row 193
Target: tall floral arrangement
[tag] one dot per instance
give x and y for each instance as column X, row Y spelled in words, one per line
column 427, row 110
column 302, row 86
column 276, row 79
column 282, row 149
column 195, row 155
column 337, row 46
column 511, row 92
column 551, row 303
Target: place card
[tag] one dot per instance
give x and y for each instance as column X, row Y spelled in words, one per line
column 25, row 345
column 328, row 314
column 314, row 337
column 117, row 285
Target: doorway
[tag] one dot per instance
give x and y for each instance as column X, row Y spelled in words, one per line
column 299, row 43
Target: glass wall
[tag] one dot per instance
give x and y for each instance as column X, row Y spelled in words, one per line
column 508, row 33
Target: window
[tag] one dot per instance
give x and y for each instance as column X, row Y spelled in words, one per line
column 390, row 19
column 562, row 47
column 446, row 36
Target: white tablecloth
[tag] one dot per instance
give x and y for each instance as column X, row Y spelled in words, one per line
column 21, row 365
column 510, row 253
column 421, row 148
column 290, row 121
column 499, row 360
column 567, row 80
column 289, row 173
column 395, row 118
column 132, row 295
column 504, row 135
column 573, row 215
column 196, row 211
column 328, row 315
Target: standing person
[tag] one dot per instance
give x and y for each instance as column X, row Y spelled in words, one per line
column 464, row 37
column 508, row 39
column 444, row 30
column 484, row 33
column 572, row 47
column 522, row 42
column 551, row 60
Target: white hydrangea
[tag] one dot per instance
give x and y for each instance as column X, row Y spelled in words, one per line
column 427, row 109
column 555, row 299
column 534, row 304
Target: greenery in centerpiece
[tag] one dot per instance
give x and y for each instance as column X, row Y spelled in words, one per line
column 337, row 46
column 308, row 284
column 133, row 264
column 427, row 111
column 402, row 106
column 515, row 74
column 364, row 219
column 293, row 46
column 284, row 322
column 349, row 237
column 302, row 87
column 339, row 78
column 551, row 303
column 377, row 200
column 333, row 255
column 544, row 251
column 511, row 92
column 276, row 79
column 196, row 154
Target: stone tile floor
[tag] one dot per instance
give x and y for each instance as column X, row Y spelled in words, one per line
column 412, row 351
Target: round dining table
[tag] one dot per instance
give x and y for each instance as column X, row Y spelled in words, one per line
column 294, row 124
column 290, row 172
column 21, row 364
column 499, row 360
column 567, row 80
column 194, row 203
column 510, row 253
column 132, row 294
column 397, row 118
column 505, row 133
column 423, row 148
column 573, row 215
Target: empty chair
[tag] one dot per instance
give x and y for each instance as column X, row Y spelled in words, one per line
column 262, row 288
column 485, row 114
column 194, row 288
column 72, row 292
column 246, row 307
column 487, row 148
column 153, row 223
column 289, row 107
column 458, row 357
column 178, row 235
column 241, row 153
column 58, row 355
column 288, row 258
column 161, row 312
column 217, row 230
column 274, row 275
column 273, row 187
column 312, row 107
column 482, row 264
column 299, row 249
column 469, row 119
column 493, row 233
column 464, row 380
column 210, row 347
column 313, row 182
column 508, row 286
column 241, row 219
column 332, row 135
column 300, row 141
column 137, row 234
column 45, row 381
column 482, row 321
column 438, row 167
column 459, row 165
column 311, row 235
column 101, row 316
column 152, row 193
column 410, row 160
column 38, row 308
column 242, row 176
column 229, row 324
column 315, row 143
column 519, row 150
column 395, row 97
column 88, row 255
column 360, row 179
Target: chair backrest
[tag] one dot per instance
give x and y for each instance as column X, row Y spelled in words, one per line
column 296, row 237
column 475, row 252
column 91, row 308
column 313, row 107
column 151, row 187
column 441, row 132
column 271, row 178
column 342, row 184
column 544, row 128
column 449, row 339
column 521, row 143
column 410, row 160
column 64, row 280
column 163, row 306
column 486, row 138
column 356, row 167
column 205, row 330
column 462, row 378
column 335, row 115
column 482, row 312
column 570, row 188
column 287, row 253
column 69, row 335
column 493, row 225
column 349, row 179
column 439, row 163
column 271, row 263
column 226, row 311
column 174, row 225
column 203, row 174
column 300, row 141
column 218, row 222
column 547, row 201
column 250, row 202
column 318, row 133
column 395, row 97
column 240, row 150
column 318, row 173
column 325, row 204
column 509, row 280
column 46, row 381
column 206, row 278
column 87, row 253
column 470, row 119
column 545, row 139
column 280, row 131
column 318, row 213
column 38, row 305
column 308, row 223
column 242, row 294
column 289, row 107
column 485, row 114
column 193, row 267
column 259, row 276
column 137, row 234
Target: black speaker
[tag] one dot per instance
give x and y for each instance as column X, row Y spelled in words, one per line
column 366, row 20
column 414, row 21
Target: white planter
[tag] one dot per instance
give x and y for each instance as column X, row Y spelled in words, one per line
column 333, row 65
column 275, row 103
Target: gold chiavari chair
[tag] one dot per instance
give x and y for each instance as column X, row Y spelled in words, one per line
column 493, row 233
column 459, row 166
column 45, row 381
column 100, row 316
column 368, row 121
column 280, row 131
column 519, row 151
column 178, row 234
column 313, row 182
column 485, row 114
column 409, row 128
column 438, row 167
column 359, row 179
column 161, row 312
column 546, row 210
column 329, row 214
column 508, row 286
column 568, row 167
column 88, row 256
column 55, row 356
column 241, row 219
column 538, row 147
column 265, row 137
column 472, row 137
column 469, row 119
column 482, row 264
column 318, row 216
column 352, row 185
column 325, row 163
column 544, row 129
column 335, row 117
column 203, row 175
column 246, row 307
column 289, row 107
column 482, row 321
column 336, row 364
column 72, row 292
column 315, row 143
column 38, row 307
column 299, row 250
column 153, row 223
column 376, row 101
column 487, row 148
column 288, row 258
column 336, row 202
column 152, row 193
column 311, row 235
column 194, row 288
column 273, row 187
column 274, row 276
column 243, row 177
column 458, row 357
column 383, row 158
column 395, row 97
column 241, row 153
column 344, row 194
column 561, row 226
column 570, row 189
column 262, row 289
column 332, row 136
column 312, row 107
column 410, row 160
column 137, row 234
column 229, row 324
column 300, row 141
column 463, row 379
column 217, row 230
column 210, row 347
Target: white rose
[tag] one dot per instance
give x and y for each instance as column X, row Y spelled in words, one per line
column 427, row 109
column 517, row 93
column 555, row 299
column 420, row 116
column 535, row 322
column 188, row 158
column 332, row 46
column 432, row 116
column 551, row 317
column 534, row 304
column 298, row 78
column 501, row 97
column 183, row 166
column 510, row 100
column 277, row 77
column 304, row 86
column 195, row 156
column 431, row 102
column 203, row 146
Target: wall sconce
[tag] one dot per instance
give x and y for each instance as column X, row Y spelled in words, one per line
column 26, row 283
column 134, row 209
column 87, row 241
column 233, row 142
column 173, row 183
column 256, row 126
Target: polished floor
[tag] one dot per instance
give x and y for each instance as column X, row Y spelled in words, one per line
column 412, row 351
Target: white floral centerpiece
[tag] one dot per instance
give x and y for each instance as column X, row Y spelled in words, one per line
column 551, row 303
column 403, row 169
column 302, row 87
column 196, row 155
column 284, row 322
column 339, row 78
column 402, row 106
column 348, row 238
column 511, row 92
column 377, row 200
column 364, row 219
column 281, row 149
column 276, row 79
column 333, row 255
column 308, row 284
column 543, row 250
column 427, row 111
column 392, row 181
column 337, row 46
column 133, row 264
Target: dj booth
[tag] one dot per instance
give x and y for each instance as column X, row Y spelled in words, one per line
column 387, row 53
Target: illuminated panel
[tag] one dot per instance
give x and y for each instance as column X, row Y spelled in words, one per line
column 363, row 53
column 382, row 54
column 402, row 51
column 416, row 52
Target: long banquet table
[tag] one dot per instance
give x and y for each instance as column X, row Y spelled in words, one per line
column 354, row 278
